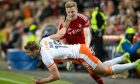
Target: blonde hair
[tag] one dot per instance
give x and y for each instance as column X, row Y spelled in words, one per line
column 70, row 4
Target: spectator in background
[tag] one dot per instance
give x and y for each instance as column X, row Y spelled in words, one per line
column 30, row 34
column 51, row 9
column 12, row 39
column 137, row 54
column 15, row 40
column 2, row 22
column 98, row 25
column 135, row 40
column 2, row 44
column 126, row 45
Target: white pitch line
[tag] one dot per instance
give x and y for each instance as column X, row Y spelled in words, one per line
column 10, row 80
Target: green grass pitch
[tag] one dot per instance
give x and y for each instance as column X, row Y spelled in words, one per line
column 9, row 77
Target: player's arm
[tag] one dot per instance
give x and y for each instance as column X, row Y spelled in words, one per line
column 63, row 40
column 59, row 34
column 62, row 31
column 86, row 30
column 87, row 36
column 53, row 77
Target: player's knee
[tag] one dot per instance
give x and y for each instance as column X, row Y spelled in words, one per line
column 103, row 70
column 108, row 71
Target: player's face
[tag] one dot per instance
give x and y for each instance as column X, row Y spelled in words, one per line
column 72, row 12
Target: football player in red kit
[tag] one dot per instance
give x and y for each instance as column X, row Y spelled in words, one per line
column 78, row 31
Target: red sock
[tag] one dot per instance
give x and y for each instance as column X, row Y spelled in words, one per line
column 97, row 78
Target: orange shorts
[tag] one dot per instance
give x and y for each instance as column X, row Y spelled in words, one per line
column 87, row 52
column 90, row 62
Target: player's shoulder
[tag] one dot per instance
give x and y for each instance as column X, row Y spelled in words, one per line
column 41, row 42
column 45, row 39
column 82, row 16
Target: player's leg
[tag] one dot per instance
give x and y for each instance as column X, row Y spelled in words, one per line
column 124, row 58
column 101, row 68
column 97, row 78
column 93, row 61
column 94, row 76
column 108, row 70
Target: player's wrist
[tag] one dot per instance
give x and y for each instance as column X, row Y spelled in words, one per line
column 66, row 24
column 38, row 81
column 67, row 20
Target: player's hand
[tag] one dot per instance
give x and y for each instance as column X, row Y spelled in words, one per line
column 37, row 81
column 67, row 22
column 68, row 18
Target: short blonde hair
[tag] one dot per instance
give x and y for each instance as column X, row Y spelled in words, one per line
column 70, row 4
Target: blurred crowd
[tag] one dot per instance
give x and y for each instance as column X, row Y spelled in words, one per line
column 26, row 20
column 120, row 13
column 21, row 18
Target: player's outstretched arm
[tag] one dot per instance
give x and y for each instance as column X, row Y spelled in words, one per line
column 62, row 31
column 53, row 77
column 59, row 34
column 87, row 36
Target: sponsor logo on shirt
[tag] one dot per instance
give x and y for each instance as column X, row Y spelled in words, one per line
column 75, row 31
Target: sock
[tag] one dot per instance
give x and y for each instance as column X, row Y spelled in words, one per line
column 114, row 61
column 123, row 67
column 97, row 78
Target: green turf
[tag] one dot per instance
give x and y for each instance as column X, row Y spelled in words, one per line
column 9, row 77
column 5, row 82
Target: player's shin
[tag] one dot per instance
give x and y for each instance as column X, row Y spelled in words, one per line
column 97, row 78
column 123, row 67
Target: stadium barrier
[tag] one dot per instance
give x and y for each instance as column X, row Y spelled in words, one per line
column 18, row 59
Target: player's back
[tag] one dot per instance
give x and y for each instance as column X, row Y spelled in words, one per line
column 55, row 49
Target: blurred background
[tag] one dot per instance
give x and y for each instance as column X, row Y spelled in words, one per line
column 25, row 20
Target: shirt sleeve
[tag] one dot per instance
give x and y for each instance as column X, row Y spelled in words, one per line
column 46, row 58
column 86, row 23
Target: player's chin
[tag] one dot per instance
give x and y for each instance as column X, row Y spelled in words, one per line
column 73, row 18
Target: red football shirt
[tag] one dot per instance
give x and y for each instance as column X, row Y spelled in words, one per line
column 75, row 32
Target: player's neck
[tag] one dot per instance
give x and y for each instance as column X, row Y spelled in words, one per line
column 75, row 17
